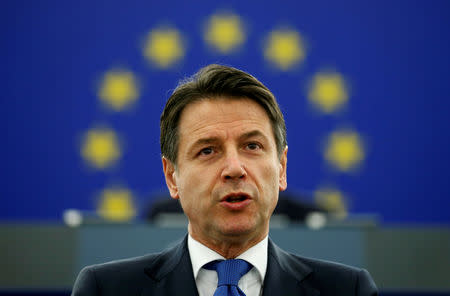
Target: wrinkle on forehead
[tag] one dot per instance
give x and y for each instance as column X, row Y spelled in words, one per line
column 200, row 119
column 219, row 127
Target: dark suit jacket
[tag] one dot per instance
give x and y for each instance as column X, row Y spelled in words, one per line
column 170, row 273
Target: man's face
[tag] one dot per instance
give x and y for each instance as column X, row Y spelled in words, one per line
column 228, row 173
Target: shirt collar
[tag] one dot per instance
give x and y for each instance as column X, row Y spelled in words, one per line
column 201, row 254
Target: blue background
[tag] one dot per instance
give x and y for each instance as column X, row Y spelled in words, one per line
column 394, row 54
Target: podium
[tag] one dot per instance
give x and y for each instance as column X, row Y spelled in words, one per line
column 47, row 257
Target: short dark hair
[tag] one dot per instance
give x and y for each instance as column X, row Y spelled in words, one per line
column 213, row 82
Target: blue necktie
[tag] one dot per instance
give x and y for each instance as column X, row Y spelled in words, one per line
column 229, row 273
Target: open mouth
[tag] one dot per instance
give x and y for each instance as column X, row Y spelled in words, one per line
column 235, row 198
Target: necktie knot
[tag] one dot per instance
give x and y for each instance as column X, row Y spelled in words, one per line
column 229, row 272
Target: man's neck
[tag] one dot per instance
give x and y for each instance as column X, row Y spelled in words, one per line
column 201, row 255
column 230, row 246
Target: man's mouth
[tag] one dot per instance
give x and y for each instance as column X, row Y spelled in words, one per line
column 235, row 197
column 237, row 201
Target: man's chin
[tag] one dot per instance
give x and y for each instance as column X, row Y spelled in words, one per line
column 239, row 231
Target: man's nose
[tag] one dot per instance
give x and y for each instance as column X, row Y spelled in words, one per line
column 233, row 167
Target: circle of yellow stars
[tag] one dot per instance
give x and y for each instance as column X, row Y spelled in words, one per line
column 116, row 204
column 344, row 150
column 118, row 89
column 284, row 49
column 332, row 200
column 164, row 47
column 224, row 32
column 328, row 92
column 101, row 148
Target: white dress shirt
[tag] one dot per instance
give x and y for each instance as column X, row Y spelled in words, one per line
column 206, row 280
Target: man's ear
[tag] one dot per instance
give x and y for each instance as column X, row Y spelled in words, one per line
column 171, row 180
column 283, row 166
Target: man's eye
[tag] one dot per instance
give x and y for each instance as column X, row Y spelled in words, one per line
column 253, row 146
column 206, row 151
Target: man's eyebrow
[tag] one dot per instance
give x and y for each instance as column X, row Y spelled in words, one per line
column 250, row 134
column 204, row 141
column 213, row 140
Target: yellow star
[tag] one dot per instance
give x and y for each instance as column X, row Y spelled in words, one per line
column 118, row 89
column 344, row 150
column 224, row 32
column 284, row 48
column 328, row 91
column 332, row 200
column 100, row 148
column 164, row 47
column 116, row 204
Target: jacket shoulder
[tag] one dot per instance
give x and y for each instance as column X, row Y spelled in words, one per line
column 111, row 277
column 339, row 279
column 126, row 276
column 330, row 278
column 123, row 266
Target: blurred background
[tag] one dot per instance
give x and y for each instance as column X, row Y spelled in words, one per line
column 364, row 86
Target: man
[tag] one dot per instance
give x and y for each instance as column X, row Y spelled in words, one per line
column 224, row 155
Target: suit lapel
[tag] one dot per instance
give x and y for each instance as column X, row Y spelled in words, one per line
column 285, row 275
column 171, row 273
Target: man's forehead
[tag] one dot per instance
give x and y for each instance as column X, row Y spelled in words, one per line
column 221, row 104
column 211, row 120
column 222, row 113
